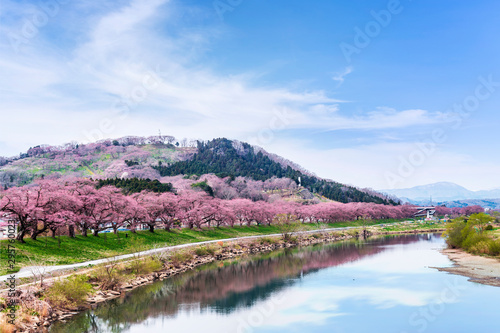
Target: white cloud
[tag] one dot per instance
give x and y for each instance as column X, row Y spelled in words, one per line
column 96, row 87
column 70, row 92
column 366, row 165
column 340, row 76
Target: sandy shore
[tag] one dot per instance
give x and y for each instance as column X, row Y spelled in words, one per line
column 479, row 269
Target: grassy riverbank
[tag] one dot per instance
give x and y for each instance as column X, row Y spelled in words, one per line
column 57, row 299
column 61, row 296
column 64, row 250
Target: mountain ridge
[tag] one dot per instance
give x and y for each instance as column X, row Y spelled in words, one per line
column 441, row 192
column 162, row 156
column 485, row 203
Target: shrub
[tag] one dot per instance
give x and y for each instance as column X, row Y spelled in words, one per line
column 108, row 275
column 480, row 220
column 481, row 247
column 494, row 247
column 473, row 239
column 287, row 224
column 145, row 265
column 267, row 240
column 336, row 234
column 352, row 232
column 454, row 233
column 70, row 292
column 470, row 237
column 204, row 250
column 180, row 257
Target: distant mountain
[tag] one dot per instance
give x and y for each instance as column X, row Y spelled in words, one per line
column 485, row 203
column 440, row 192
column 488, row 194
column 161, row 156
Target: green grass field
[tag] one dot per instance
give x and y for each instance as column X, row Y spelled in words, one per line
column 412, row 226
column 64, row 250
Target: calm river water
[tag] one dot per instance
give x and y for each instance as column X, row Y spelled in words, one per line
column 382, row 284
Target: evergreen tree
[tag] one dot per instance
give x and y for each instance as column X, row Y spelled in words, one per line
column 221, row 158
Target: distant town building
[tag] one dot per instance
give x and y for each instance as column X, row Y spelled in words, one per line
column 425, row 212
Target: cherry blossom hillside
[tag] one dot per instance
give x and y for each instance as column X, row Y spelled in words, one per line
column 226, row 158
column 222, row 168
column 126, row 157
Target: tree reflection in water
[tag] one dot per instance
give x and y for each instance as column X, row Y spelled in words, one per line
column 224, row 287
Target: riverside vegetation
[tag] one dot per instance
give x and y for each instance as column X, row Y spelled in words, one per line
column 476, row 234
column 57, row 299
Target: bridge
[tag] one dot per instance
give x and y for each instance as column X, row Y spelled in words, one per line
column 427, row 212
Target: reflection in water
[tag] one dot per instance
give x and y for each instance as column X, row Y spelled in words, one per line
column 223, row 290
column 317, row 286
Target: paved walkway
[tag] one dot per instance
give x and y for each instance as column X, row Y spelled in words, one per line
column 28, row 271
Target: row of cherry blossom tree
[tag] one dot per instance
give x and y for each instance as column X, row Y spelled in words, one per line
column 456, row 211
column 78, row 206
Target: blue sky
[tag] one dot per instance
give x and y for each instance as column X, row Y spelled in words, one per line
column 362, row 92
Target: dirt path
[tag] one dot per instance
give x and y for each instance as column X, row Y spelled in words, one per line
column 478, row 269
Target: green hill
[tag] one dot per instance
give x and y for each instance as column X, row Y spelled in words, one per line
column 221, row 157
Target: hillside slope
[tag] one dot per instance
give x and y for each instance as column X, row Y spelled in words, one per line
column 125, row 157
column 158, row 157
column 226, row 158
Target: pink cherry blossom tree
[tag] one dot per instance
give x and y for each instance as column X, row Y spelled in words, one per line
column 17, row 204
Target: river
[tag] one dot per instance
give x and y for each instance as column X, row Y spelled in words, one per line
column 383, row 284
